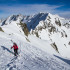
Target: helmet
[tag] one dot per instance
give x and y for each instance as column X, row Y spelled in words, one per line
column 14, row 43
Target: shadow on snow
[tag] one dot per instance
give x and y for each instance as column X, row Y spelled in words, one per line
column 65, row 60
column 4, row 48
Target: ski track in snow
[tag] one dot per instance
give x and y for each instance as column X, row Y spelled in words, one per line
column 35, row 55
column 31, row 58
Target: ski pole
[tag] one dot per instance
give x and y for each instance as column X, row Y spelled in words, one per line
column 12, row 41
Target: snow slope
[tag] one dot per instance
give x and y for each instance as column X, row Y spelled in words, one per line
column 31, row 57
column 34, row 53
column 55, row 29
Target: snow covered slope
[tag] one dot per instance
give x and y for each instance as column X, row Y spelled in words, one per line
column 52, row 28
column 46, row 27
column 33, row 55
column 45, row 18
column 17, row 18
column 41, row 49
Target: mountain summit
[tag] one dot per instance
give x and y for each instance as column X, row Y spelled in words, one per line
column 43, row 41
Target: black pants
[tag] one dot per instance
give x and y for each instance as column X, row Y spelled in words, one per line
column 15, row 52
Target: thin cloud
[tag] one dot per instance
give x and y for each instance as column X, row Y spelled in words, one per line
column 65, row 14
column 28, row 9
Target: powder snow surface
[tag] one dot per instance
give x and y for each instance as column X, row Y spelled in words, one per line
column 36, row 54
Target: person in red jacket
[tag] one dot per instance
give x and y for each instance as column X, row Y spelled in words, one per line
column 15, row 49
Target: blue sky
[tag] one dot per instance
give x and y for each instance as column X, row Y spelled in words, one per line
column 28, row 7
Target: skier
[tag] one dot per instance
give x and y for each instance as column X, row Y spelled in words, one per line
column 15, row 49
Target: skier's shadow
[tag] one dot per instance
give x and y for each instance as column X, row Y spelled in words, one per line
column 65, row 60
column 4, row 48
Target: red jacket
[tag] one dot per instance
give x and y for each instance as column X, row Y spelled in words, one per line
column 15, row 47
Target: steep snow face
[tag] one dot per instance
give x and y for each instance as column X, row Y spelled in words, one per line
column 56, row 30
column 47, row 18
column 16, row 18
column 2, row 21
column 14, row 30
column 10, row 19
column 46, row 27
column 34, row 21
column 34, row 55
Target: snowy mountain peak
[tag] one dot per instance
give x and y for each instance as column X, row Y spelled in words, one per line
column 34, row 21
column 10, row 19
column 46, row 47
column 53, row 28
column 46, row 27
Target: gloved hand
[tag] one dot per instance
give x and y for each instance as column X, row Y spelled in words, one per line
column 11, row 47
